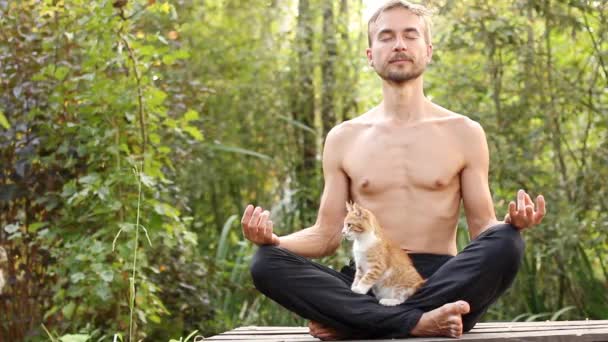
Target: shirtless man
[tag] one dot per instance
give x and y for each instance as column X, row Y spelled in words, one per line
column 411, row 162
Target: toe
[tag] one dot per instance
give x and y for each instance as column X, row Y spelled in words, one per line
column 463, row 307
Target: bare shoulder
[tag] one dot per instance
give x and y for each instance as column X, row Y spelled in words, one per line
column 461, row 125
column 348, row 130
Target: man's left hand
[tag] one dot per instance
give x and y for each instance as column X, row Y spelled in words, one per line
column 523, row 214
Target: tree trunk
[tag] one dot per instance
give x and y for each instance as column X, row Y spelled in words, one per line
column 328, row 115
column 304, row 113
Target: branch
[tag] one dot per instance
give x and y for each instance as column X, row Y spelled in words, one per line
column 140, row 101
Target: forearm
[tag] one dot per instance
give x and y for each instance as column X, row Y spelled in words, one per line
column 311, row 242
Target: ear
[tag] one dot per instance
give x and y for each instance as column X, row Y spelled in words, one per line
column 370, row 61
column 429, row 53
column 357, row 209
column 349, row 206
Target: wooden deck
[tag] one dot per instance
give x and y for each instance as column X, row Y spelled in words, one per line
column 559, row 331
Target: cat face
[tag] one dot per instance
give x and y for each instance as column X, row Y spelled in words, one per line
column 356, row 221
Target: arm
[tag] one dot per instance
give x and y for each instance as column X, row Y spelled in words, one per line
column 478, row 206
column 324, row 237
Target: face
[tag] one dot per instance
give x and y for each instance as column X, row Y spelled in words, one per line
column 350, row 230
column 399, row 52
column 355, row 221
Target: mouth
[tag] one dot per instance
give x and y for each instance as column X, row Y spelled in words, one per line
column 399, row 61
column 400, row 58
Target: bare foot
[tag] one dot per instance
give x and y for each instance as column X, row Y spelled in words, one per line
column 323, row 332
column 443, row 321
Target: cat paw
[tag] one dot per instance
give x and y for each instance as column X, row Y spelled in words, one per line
column 390, row 301
column 359, row 289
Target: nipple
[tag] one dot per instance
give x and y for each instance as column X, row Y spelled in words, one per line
column 365, row 183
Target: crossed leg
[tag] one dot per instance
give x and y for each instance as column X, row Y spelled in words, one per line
column 454, row 296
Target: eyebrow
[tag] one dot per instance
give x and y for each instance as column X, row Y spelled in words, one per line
column 406, row 30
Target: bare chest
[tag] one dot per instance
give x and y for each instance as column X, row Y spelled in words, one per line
column 426, row 158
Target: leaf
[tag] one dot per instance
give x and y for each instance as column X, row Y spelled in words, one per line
column 61, row 72
column 107, row 275
column 103, row 291
column 191, row 115
column 68, row 310
column 194, row 132
column 222, row 248
column 74, row 338
column 76, row 277
column 3, row 121
column 147, row 180
column 17, row 91
column 165, row 7
column 298, row 124
column 35, row 226
column 155, row 319
column 11, row 228
column 156, row 97
column 560, row 312
column 89, row 179
column 239, row 150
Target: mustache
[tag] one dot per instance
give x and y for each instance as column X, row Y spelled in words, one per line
column 401, row 57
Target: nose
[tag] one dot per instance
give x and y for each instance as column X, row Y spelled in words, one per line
column 400, row 44
column 344, row 230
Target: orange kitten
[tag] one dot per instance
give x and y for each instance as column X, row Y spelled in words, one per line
column 381, row 265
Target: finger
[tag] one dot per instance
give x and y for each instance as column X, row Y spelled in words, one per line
column 520, row 202
column 247, row 214
column 268, row 232
column 246, row 218
column 512, row 209
column 540, row 212
column 529, row 201
column 530, row 213
column 255, row 218
column 262, row 224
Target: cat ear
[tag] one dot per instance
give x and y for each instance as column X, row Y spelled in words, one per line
column 349, row 206
column 357, row 209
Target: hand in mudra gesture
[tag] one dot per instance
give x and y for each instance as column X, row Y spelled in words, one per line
column 523, row 214
column 257, row 227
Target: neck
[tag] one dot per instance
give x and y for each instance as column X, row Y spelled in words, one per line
column 405, row 101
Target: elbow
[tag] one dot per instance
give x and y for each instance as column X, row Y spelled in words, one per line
column 332, row 244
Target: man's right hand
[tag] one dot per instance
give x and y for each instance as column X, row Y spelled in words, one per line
column 257, row 228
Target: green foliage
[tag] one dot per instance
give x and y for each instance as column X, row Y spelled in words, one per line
column 226, row 103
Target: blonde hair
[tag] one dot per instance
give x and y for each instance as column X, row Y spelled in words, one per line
column 416, row 9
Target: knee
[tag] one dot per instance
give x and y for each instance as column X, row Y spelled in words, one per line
column 507, row 245
column 261, row 263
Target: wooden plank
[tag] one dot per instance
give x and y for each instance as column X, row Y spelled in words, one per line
column 543, row 323
column 299, row 338
column 579, row 331
column 510, row 328
column 484, row 329
column 478, row 326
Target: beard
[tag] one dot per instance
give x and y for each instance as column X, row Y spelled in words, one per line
column 401, row 74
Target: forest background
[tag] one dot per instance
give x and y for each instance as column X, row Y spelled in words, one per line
column 134, row 132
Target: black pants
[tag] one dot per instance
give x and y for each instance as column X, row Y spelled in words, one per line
column 479, row 274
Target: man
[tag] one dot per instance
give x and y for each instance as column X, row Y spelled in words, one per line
column 411, row 162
